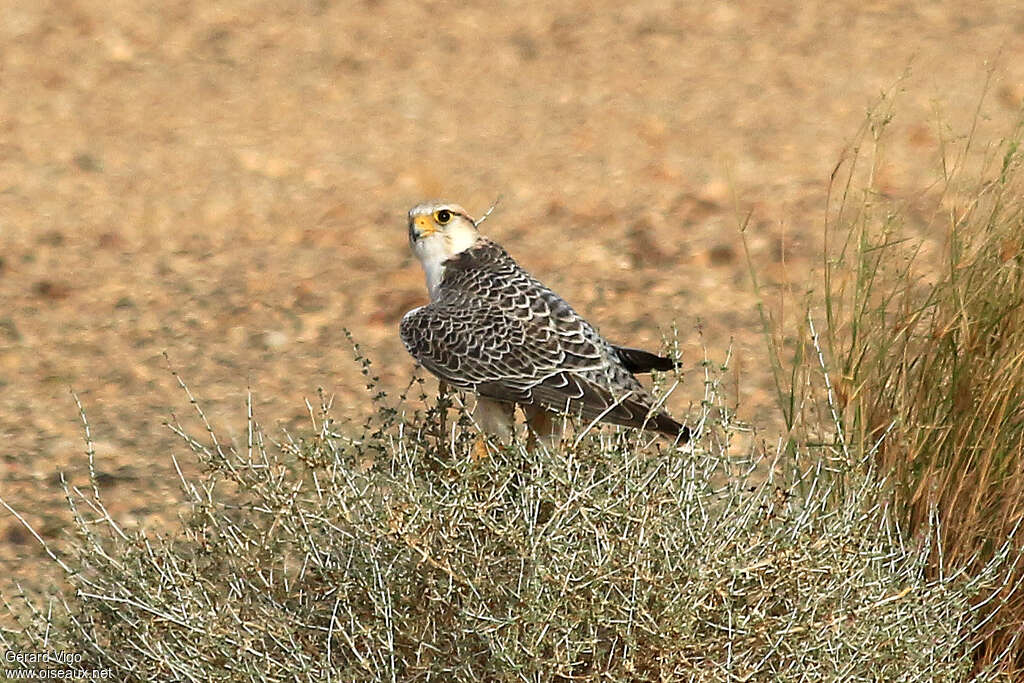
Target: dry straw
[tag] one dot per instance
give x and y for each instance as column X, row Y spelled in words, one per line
column 382, row 553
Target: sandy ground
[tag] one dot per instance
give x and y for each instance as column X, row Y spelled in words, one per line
column 226, row 183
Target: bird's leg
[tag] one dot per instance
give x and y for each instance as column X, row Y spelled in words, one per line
column 442, row 407
column 494, row 418
column 480, row 449
column 541, row 428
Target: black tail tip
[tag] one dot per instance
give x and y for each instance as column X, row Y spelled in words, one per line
column 684, row 435
column 639, row 361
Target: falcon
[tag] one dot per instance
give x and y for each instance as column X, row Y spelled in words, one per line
column 493, row 329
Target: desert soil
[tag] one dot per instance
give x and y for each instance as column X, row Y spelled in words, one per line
column 226, row 183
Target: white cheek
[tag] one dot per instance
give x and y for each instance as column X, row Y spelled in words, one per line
column 460, row 240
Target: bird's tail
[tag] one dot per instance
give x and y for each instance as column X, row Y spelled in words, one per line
column 640, row 361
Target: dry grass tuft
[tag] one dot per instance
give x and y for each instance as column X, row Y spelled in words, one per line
column 380, row 552
column 926, row 358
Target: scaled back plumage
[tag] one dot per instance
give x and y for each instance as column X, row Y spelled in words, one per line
column 494, row 329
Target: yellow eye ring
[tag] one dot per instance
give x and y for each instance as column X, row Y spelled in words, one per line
column 443, row 217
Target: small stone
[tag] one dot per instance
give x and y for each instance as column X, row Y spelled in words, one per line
column 9, row 330
column 526, row 46
column 693, row 209
column 1011, row 96
column 110, row 240
column 48, row 289
column 274, row 339
column 648, row 245
column 306, row 297
column 54, row 238
column 15, row 534
column 721, row 255
column 118, row 49
column 88, row 162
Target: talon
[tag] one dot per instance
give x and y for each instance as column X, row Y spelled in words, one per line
column 480, row 449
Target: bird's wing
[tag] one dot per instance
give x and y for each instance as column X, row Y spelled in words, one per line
column 497, row 331
column 627, row 406
column 492, row 351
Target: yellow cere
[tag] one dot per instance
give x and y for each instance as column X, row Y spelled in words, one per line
column 425, row 225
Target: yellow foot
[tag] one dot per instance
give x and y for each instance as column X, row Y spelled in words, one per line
column 480, row 449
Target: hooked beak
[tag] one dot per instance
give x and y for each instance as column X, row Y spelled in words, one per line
column 420, row 227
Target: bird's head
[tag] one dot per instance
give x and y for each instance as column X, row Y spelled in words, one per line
column 445, row 225
column 438, row 231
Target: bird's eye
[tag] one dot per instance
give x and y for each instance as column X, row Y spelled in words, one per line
column 443, row 216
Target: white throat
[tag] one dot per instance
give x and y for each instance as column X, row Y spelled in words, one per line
column 433, row 251
column 432, row 255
